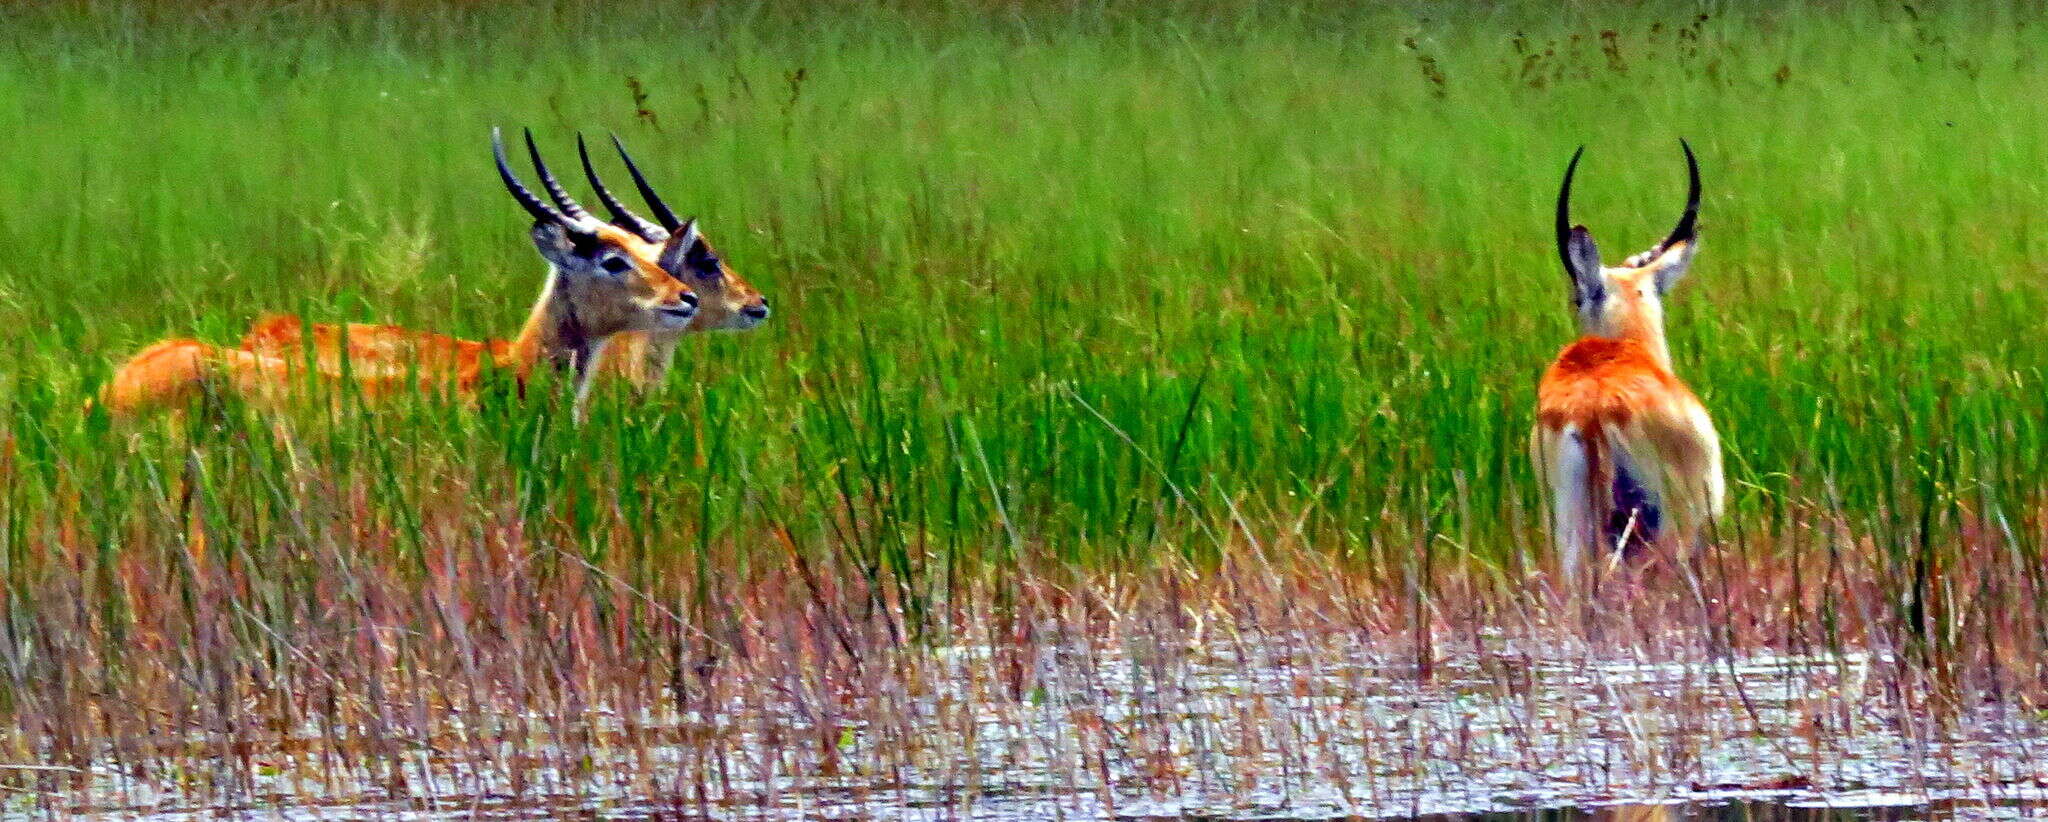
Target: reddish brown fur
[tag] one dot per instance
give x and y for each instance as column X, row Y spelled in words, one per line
column 166, row 373
column 1597, row 382
column 377, row 346
column 380, row 358
column 1611, row 396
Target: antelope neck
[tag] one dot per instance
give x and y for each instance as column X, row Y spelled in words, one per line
column 553, row 335
column 1642, row 331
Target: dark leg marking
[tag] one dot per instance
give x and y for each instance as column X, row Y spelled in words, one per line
column 1635, row 512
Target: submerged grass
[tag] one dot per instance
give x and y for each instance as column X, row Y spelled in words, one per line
column 1082, row 312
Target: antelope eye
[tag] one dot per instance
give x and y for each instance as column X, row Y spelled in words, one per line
column 707, row 268
column 616, row 264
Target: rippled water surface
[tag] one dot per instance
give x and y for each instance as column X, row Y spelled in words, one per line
column 1280, row 729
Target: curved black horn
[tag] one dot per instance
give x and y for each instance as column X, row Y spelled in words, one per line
column 661, row 213
column 621, row 217
column 547, row 180
column 532, row 204
column 1688, row 225
column 1564, row 215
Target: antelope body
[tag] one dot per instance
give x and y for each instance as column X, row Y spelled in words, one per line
column 1628, row 453
column 603, row 281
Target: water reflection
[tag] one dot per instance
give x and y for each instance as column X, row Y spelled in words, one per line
column 1282, row 728
column 1873, row 807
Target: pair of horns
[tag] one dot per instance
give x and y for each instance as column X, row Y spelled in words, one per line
column 621, row 216
column 573, row 216
column 1685, row 231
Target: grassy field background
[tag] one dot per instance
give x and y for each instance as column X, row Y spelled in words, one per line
column 1106, row 288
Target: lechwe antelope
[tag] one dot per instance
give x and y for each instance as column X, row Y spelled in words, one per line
column 602, row 282
column 726, row 301
column 1629, row 454
column 729, row 302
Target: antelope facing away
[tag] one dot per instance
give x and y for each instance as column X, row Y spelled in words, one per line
column 729, row 302
column 1627, row 450
column 603, row 281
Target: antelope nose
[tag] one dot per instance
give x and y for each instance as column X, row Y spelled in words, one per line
column 690, row 300
column 758, row 311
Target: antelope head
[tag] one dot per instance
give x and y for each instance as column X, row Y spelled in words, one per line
column 730, row 303
column 603, row 278
column 1627, row 300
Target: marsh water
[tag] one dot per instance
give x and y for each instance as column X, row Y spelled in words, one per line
column 1288, row 729
column 1788, row 807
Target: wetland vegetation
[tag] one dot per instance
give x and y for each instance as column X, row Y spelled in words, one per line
column 1141, row 429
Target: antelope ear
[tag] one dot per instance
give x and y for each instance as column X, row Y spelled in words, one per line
column 561, row 247
column 1671, row 264
column 1582, row 259
column 676, row 251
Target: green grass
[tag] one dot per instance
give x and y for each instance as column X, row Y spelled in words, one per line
column 1093, row 286
column 987, row 223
